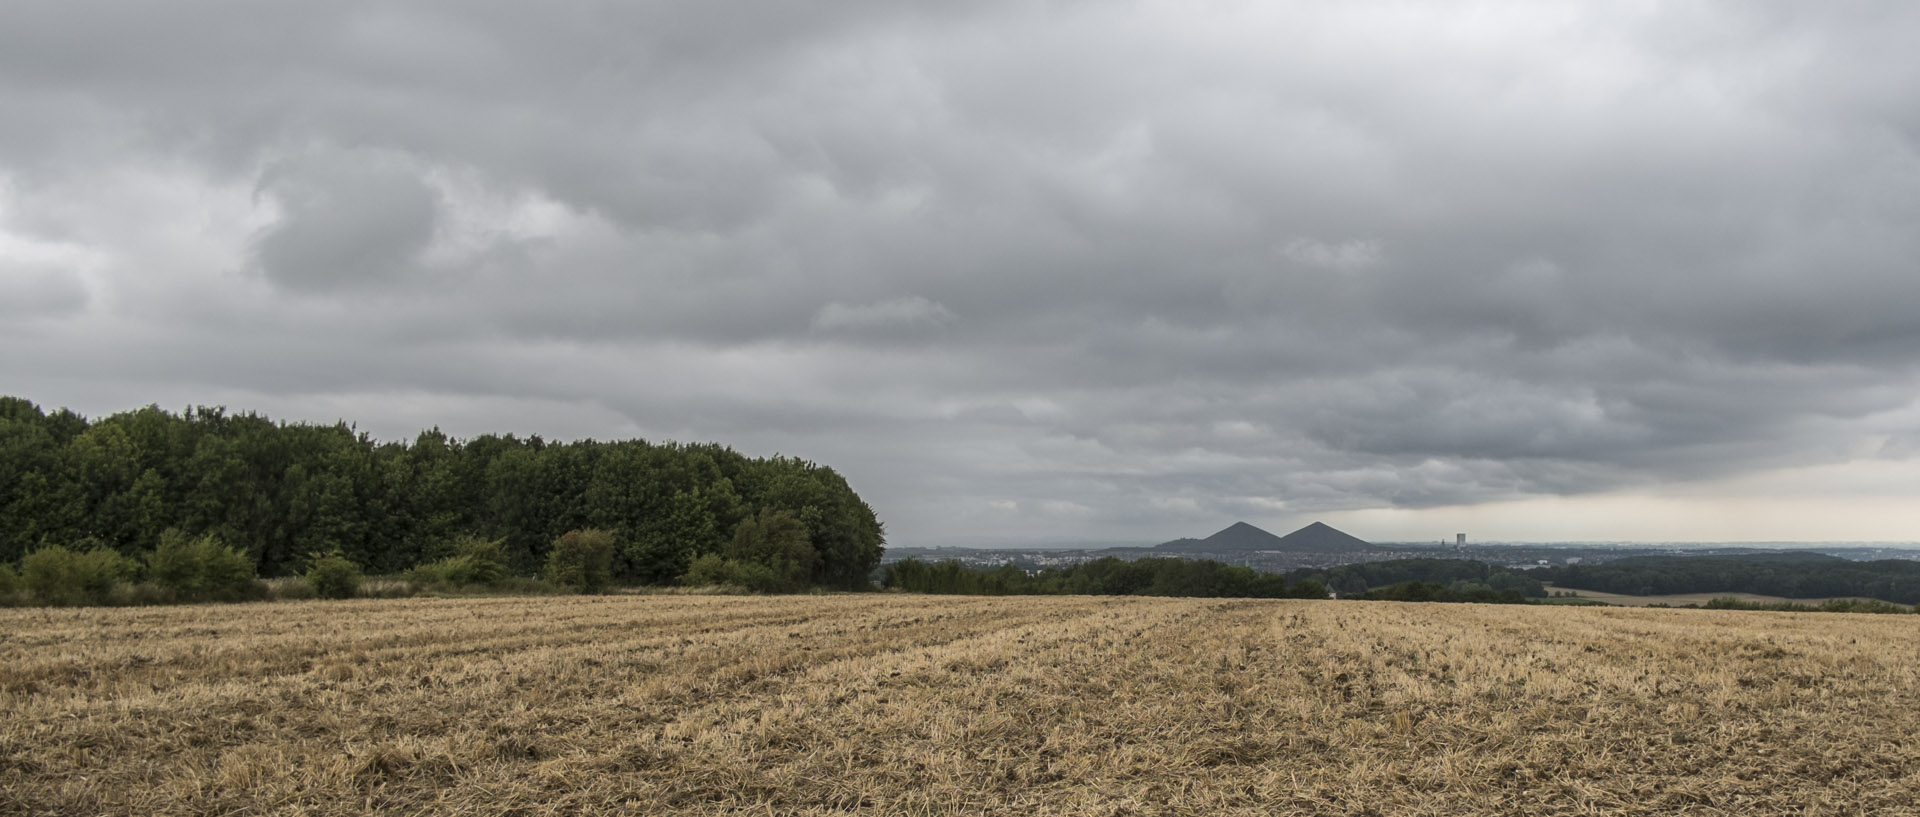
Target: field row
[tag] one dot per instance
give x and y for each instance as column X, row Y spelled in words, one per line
column 953, row 705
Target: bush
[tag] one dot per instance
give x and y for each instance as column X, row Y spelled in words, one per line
column 712, row 570
column 582, row 560
column 477, row 562
column 769, row 553
column 1860, row 606
column 489, row 556
column 58, row 576
column 1307, row 589
column 333, row 576
column 9, row 583
column 776, row 540
column 449, row 573
column 202, row 569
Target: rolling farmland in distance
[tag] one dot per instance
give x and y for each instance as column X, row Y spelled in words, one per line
column 898, row 704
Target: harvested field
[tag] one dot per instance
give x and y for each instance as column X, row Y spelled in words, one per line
column 954, row 705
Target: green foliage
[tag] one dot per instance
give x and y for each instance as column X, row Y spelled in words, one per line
column 845, row 533
column 1789, row 574
column 333, row 576
column 664, row 546
column 776, row 541
column 712, row 570
column 770, row 552
column 1860, row 606
column 1307, row 589
column 1103, row 577
column 1462, row 574
column 9, row 583
column 282, row 490
column 489, row 557
column 450, row 573
column 202, row 569
column 1434, row 591
column 58, row 576
column 581, row 560
column 477, row 562
column 1828, row 606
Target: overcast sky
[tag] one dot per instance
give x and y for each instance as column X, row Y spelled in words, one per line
column 1021, row 271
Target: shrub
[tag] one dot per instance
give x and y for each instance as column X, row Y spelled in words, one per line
column 1860, row 606
column 333, row 576
column 489, row 557
column 777, row 541
column 769, row 553
column 202, row 569
column 58, row 576
column 1307, row 589
column 451, row 572
column 477, row 562
column 9, row 584
column 582, row 560
column 712, row 570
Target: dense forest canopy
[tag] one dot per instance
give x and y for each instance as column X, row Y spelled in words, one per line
column 281, row 491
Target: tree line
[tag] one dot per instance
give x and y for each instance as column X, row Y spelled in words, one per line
column 1459, row 577
column 1443, row 580
column 1439, row 580
column 1792, row 574
column 1107, row 576
column 279, row 494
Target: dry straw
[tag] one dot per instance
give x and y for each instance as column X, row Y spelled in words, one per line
column 945, row 705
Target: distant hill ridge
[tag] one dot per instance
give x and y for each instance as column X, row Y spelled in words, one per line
column 1241, row 537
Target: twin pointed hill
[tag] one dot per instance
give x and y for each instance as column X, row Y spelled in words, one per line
column 1241, row 537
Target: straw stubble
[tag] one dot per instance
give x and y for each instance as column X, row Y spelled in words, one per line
column 889, row 704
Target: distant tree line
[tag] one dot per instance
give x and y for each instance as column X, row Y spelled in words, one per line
column 1838, row 605
column 1101, row 577
column 1451, row 593
column 1444, row 580
column 1793, row 575
column 281, row 495
column 1460, row 577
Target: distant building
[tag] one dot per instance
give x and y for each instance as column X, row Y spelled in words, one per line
column 1459, row 540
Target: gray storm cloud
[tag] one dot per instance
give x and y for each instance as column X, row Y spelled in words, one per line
column 346, row 220
column 910, row 312
column 1049, row 269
